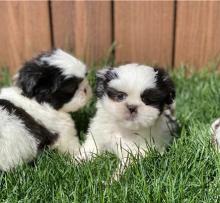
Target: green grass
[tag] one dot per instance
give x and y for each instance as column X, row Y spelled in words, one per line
column 187, row 172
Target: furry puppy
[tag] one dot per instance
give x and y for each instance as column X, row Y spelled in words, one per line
column 33, row 113
column 133, row 113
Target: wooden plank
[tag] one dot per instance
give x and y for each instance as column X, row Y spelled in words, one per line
column 197, row 32
column 83, row 27
column 144, row 31
column 25, row 31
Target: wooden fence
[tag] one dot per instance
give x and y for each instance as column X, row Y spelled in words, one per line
column 164, row 32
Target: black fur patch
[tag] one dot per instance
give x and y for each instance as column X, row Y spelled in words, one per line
column 165, row 84
column 46, row 83
column 102, row 81
column 38, row 131
column 163, row 94
column 154, row 97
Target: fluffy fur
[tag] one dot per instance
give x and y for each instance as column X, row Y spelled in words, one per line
column 215, row 130
column 33, row 113
column 133, row 113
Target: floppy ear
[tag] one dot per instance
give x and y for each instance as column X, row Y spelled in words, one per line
column 100, row 83
column 35, row 80
column 171, row 97
column 165, row 83
column 102, row 78
column 27, row 81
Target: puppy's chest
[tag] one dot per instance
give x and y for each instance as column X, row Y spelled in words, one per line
column 137, row 139
column 123, row 137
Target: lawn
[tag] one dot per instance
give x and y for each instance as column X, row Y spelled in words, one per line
column 187, row 172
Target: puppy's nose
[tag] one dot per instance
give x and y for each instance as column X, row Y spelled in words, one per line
column 132, row 108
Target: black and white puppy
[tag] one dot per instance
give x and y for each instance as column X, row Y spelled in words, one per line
column 33, row 113
column 133, row 113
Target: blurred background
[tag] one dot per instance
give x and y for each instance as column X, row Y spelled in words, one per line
column 168, row 33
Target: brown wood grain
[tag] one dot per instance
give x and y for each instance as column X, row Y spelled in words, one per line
column 197, row 32
column 83, row 27
column 25, row 31
column 144, row 31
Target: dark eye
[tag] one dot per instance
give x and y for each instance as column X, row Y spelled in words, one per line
column 116, row 95
column 120, row 96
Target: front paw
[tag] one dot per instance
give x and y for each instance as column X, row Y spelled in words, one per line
column 215, row 131
column 80, row 158
column 83, row 157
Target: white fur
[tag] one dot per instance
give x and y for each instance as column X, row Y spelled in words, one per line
column 55, row 121
column 80, row 97
column 16, row 143
column 215, row 131
column 112, row 129
column 67, row 63
column 134, row 78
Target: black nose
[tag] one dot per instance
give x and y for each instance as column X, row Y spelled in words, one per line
column 132, row 108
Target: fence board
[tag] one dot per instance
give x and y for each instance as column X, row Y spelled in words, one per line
column 197, row 32
column 143, row 31
column 83, row 27
column 24, row 32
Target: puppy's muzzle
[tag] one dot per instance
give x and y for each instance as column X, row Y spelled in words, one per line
column 132, row 108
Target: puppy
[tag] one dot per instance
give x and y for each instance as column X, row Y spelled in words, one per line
column 34, row 112
column 133, row 113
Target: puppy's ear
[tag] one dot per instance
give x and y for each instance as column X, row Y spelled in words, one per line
column 35, row 80
column 100, row 82
column 165, row 83
column 102, row 78
column 27, row 81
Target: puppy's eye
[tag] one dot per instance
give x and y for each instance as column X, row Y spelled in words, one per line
column 116, row 95
column 120, row 96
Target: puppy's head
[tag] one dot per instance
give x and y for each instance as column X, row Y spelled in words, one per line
column 56, row 78
column 135, row 95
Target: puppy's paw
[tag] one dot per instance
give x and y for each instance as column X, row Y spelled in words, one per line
column 215, row 131
column 79, row 159
column 83, row 157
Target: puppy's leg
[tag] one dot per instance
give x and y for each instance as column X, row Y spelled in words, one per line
column 88, row 149
column 124, row 151
column 124, row 162
column 68, row 142
column 215, row 129
column 127, row 153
